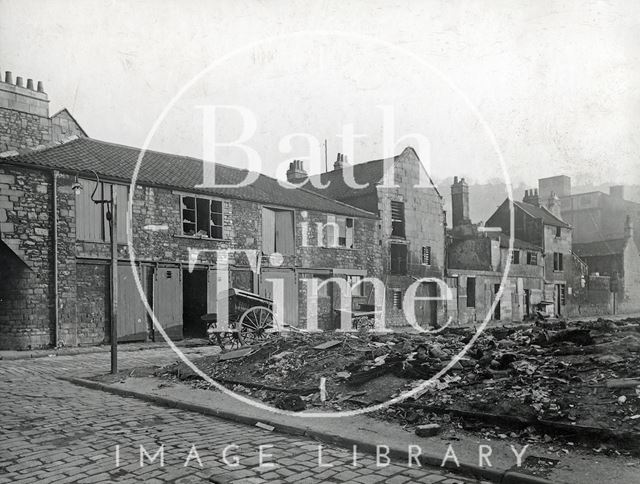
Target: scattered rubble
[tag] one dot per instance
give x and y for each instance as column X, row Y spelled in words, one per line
column 530, row 377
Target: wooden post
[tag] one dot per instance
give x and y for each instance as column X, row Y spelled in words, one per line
column 114, row 282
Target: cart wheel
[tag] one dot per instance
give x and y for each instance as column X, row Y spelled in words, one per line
column 229, row 340
column 255, row 323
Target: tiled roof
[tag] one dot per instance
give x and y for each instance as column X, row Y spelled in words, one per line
column 541, row 213
column 117, row 162
column 602, row 247
column 517, row 243
column 368, row 173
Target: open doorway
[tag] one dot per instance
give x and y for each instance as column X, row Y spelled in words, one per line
column 194, row 297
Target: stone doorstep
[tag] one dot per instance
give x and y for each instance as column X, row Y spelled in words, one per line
column 505, row 476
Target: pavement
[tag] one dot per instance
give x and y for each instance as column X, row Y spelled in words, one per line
column 55, row 431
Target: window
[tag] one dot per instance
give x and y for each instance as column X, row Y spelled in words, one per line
column 563, row 294
column 201, row 217
column 558, row 232
column 277, row 231
column 345, row 231
column 397, row 219
column 398, row 259
column 471, row 292
column 359, row 290
column 91, row 218
column 515, row 257
column 557, row 261
column 426, row 255
column 532, row 258
column 397, row 299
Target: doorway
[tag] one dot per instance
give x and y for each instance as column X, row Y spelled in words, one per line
column 194, row 297
column 496, row 311
column 527, row 302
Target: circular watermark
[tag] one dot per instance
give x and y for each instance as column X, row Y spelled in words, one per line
column 290, row 37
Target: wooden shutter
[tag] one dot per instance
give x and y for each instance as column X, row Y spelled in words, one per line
column 284, row 232
column 88, row 214
column 122, row 204
column 268, row 231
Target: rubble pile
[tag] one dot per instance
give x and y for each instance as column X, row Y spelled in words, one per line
column 583, row 374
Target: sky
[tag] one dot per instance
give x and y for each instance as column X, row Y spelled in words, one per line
column 554, row 86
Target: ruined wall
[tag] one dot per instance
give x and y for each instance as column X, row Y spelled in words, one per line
column 470, row 254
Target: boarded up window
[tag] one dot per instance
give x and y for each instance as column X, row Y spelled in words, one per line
column 92, row 224
column 398, row 259
column 397, row 219
column 471, row 292
column 202, row 217
column 277, row 231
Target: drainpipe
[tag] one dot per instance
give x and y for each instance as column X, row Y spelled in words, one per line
column 54, row 190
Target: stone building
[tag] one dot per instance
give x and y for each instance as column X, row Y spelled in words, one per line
column 24, row 116
column 411, row 226
column 539, row 223
column 618, row 259
column 476, row 264
column 594, row 216
column 55, row 244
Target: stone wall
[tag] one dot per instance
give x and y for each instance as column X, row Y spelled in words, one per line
column 26, row 305
column 424, row 226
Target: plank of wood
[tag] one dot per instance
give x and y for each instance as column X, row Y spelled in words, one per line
column 328, row 344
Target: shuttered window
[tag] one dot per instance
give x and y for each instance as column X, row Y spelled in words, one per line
column 277, row 231
column 397, row 219
column 426, row 255
column 398, row 259
column 91, row 218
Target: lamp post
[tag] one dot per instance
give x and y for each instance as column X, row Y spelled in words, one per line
column 111, row 215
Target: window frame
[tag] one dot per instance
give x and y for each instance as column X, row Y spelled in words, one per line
column 402, row 270
column 398, row 222
column 342, row 222
column 558, row 262
column 211, row 225
column 515, row 256
column 532, row 258
column 471, row 302
column 425, row 255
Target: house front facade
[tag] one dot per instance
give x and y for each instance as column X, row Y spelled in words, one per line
column 55, row 245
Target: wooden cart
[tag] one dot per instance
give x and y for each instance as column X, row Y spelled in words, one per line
column 251, row 320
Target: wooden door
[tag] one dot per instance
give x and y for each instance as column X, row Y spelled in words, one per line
column 168, row 300
column 132, row 320
column 427, row 311
column 290, row 310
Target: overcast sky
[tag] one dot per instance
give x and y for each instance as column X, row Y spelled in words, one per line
column 557, row 82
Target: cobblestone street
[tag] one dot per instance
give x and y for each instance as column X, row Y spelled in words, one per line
column 54, row 431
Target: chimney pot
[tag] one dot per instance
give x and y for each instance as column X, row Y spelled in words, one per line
column 30, row 84
column 40, row 86
column 19, row 81
column 455, row 180
column 8, row 77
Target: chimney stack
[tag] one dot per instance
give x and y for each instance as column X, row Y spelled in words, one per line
column 341, row 160
column 296, row 172
column 459, row 203
column 531, row 197
column 628, row 227
column 617, row 191
column 553, row 205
